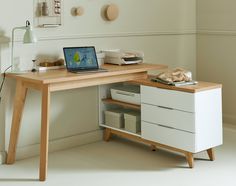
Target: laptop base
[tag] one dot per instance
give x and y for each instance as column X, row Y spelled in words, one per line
column 88, row 71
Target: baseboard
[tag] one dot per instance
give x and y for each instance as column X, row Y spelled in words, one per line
column 60, row 144
column 70, row 142
column 217, row 32
column 229, row 127
column 3, row 155
column 229, row 119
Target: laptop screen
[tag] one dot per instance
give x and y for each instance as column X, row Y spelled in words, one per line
column 80, row 58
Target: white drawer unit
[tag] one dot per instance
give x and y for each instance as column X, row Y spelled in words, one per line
column 171, row 99
column 168, row 136
column 185, row 119
column 198, row 120
column 169, row 117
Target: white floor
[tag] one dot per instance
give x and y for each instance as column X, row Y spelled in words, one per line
column 121, row 163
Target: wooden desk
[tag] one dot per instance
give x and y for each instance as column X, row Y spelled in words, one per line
column 57, row 80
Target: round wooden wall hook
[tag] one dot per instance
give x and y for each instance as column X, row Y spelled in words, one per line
column 77, row 11
column 111, row 12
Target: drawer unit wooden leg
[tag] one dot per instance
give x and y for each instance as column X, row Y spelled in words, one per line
column 211, row 154
column 153, row 147
column 107, row 134
column 189, row 155
column 189, row 158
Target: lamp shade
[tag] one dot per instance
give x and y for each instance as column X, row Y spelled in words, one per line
column 29, row 36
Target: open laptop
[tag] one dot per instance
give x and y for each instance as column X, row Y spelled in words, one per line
column 81, row 59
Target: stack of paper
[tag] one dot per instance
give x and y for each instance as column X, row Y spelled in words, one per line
column 123, row 57
column 180, row 83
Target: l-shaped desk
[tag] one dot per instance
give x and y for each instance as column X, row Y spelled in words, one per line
column 57, row 80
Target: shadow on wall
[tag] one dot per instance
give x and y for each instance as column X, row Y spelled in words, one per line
column 4, row 44
column 3, row 38
column 1, row 32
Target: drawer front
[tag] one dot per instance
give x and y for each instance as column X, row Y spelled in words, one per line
column 168, row 98
column 168, row 117
column 171, row 137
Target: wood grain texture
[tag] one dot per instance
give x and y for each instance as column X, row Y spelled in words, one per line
column 44, row 132
column 123, row 104
column 68, row 85
column 62, row 75
column 189, row 158
column 211, row 154
column 201, row 86
column 189, row 155
column 107, row 134
column 153, row 147
column 19, row 103
column 142, row 140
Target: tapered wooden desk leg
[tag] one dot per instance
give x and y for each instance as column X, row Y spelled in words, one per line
column 19, row 102
column 211, row 154
column 189, row 157
column 107, row 134
column 44, row 133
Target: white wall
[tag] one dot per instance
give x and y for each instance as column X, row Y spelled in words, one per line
column 163, row 29
column 216, row 46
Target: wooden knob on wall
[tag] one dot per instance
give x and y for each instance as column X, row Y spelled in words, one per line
column 111, row 12
column 77, row 11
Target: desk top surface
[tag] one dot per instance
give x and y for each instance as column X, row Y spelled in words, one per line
column 62, row 75
column 199, row 87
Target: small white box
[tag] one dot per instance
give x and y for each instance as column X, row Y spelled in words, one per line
column 132, row 122
column 127, row 93
column 114, row 118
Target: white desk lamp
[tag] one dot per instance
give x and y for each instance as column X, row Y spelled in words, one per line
column 29, row 37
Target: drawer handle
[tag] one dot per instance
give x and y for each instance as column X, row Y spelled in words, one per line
column 165, row 107
column 164, row 126
column 126, row 94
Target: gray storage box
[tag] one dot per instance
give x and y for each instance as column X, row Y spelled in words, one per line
column 132, row 122
column 114, row 118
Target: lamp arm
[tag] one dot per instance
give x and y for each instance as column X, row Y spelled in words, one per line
column 12, row 41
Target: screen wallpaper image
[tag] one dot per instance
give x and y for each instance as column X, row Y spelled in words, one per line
column 80, row 58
